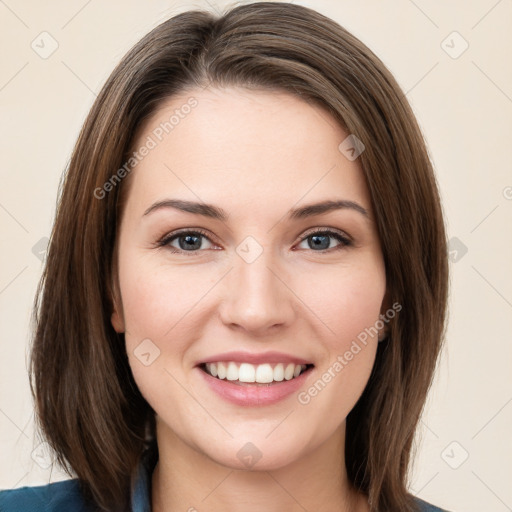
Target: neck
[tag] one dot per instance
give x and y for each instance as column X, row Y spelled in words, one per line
column 185, row 479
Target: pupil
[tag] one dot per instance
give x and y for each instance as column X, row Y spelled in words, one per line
column 317, row 243
column 194, row 242
column 191, row 242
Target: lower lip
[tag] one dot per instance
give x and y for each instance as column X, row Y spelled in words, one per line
column 254, row 395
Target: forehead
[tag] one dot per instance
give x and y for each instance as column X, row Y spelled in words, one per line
column 243, row 148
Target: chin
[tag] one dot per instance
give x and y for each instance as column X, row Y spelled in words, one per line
column 256, row 453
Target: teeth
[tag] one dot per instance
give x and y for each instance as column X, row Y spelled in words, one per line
column 221, row 370
column 289, row 372
column 279, row 372
column 246, row 373
column 261, row 373
column 232, row 372
column 264, row 373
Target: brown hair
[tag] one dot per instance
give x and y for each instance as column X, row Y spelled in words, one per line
column 88, row 405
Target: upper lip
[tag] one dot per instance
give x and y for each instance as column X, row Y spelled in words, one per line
column 248, row 357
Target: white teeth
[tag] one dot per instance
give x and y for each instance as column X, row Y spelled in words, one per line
column 247, row 373
column 221, row 370
column 279, row 372
column 232, row 373
column 261, row 373
column 264, row 373
column 288, row 373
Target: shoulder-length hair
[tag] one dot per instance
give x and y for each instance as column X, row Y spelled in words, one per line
column 88, row 406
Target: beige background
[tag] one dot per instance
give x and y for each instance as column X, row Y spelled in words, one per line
column 464, row 106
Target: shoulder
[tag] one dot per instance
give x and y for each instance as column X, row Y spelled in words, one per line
column 52, row 497
column 423, row 506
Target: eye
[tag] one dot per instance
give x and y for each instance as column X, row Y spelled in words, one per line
column 319, row 240
column 185, row 241
column 191, row 241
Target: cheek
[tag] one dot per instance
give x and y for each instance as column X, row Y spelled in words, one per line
column 155, row 306
column 156, row 302
column 163, row 305
column 156, row 297
column 348, row 302
column 346, row 299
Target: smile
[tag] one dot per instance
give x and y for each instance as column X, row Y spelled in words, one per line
column 250, row 373
column 248, row 385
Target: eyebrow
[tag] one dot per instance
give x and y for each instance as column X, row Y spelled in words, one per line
column 214, row 212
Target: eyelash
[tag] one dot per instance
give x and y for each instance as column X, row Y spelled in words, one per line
column 167, row 239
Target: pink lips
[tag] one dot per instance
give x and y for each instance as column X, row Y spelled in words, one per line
column 253, row 394
column 247, row 357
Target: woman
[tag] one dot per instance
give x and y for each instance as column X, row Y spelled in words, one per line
column 245, row 290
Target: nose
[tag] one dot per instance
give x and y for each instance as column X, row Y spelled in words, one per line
column 256, row 296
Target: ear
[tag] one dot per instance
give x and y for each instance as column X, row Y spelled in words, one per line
column 386, row 304
column 117, row 317
column 117, row 320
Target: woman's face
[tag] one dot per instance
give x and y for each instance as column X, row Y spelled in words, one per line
column 248, row 275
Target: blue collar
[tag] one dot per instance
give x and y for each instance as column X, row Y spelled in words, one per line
column 141, row 495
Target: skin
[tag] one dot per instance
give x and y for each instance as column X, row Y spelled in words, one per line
column 255, row 154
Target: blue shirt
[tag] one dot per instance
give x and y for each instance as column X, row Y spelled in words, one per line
column 65, row 496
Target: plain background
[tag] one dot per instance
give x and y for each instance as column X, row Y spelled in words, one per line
column 463, row 101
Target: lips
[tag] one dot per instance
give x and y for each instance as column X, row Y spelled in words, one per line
column 249, row 379
column 255, row 359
